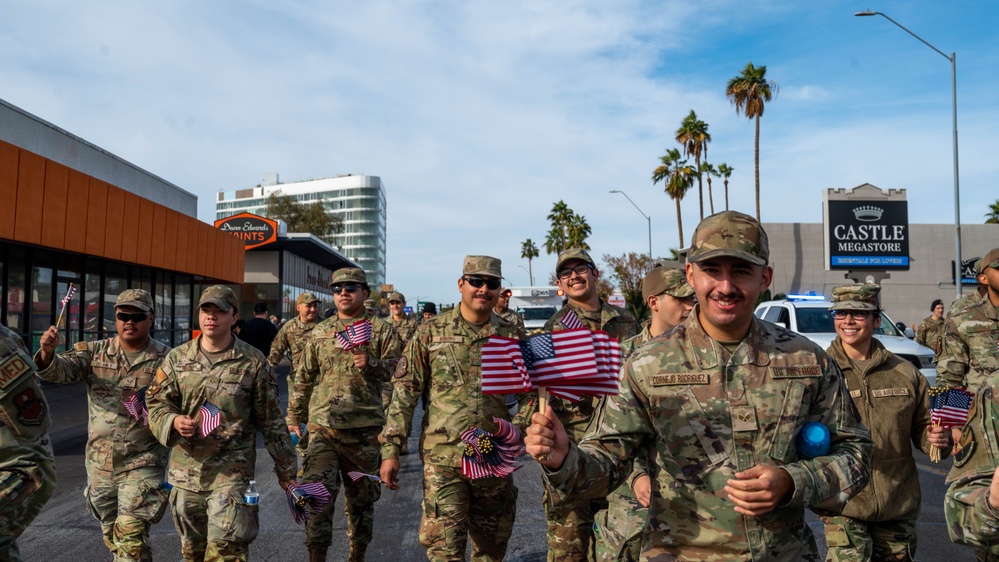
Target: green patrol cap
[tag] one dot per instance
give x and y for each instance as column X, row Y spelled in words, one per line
column 349, row 275
column 857, row 297
column 138, row 298
column 306, row 298
column 730, row 233
column 991, row 259
column 482, row 265
column 221, row 296
column 397, row 297
column 573, row 254
column 672, row 282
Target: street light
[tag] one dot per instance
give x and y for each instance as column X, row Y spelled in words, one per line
column 647, row 217
column 957, row 186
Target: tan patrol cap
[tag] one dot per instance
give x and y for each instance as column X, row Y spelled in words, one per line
column 482, row 265
column 672, row 282
column 397, row 297
column 139, row 298
column 732, row 234
column 221, row 296
column 857, row 297
column 306, row 298
column 573, row 254
column 991, row 259
column 349, row 275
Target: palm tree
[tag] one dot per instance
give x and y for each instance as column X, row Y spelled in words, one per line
column 992, row 217
column 725, row 171
column 750, row 91
column 678, row 177
column 559, row 216
column 708, row 170
column 693, row 135
column 529, row 251
column 578, row 231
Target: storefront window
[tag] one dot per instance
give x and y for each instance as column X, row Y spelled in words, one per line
column 115, row 281
column 92, row 302
column 182, row 308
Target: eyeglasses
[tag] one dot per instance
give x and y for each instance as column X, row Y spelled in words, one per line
column 134, row 317
column 478, row 282
column 567, row 272
column 349, row 287
column 856, row 314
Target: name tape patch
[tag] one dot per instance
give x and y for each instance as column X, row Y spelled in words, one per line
column 11, row 369
column 882, row 392
column 854, row 394
column 796, row 372
column 447, row 339
column 680, row 378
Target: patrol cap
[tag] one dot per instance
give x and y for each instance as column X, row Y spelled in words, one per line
column 221, row 296
column 306, row 298
column 139, row 298
column 349, row 275
column 730, row 233
column 672, row 282
column 857, row 297
column 397, row 297
column 573, row 254
column 991, row 259
column 482, row 265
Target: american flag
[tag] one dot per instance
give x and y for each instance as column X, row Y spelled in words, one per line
column 136, row 405
column 69, row 294
column 555, row 356
column 488, row 454
column 949, row 406
column 356, row 335
column 210, row 417
column 357, row 475
column 307, row 499
column 571, row 321
column 503, row 367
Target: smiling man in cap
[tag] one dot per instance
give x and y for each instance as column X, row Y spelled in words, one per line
column 715, row 404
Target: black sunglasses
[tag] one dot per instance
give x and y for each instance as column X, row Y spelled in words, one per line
column 478, row 282
column 349, row 287
column 134, row 317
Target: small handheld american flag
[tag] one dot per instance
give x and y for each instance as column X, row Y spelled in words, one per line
column 487, row 454
column 503, row 367
column 65, row 302
column 210, row 417
column 571, row 321
column 136, row 405
column 357, row 334
column 357, row 475
column 949, row 406
column 305, row 500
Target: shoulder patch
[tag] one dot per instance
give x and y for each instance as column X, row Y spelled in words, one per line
column 400, row 368
column 965, row 447
column 796, row 372
column 80, row 346
column 30, row 407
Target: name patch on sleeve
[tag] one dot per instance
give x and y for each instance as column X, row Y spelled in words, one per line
column 447, row 339
column 882, row 392
column 668, row 379
column 796, row 372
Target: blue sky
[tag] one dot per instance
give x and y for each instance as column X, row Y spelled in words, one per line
column 478, row 116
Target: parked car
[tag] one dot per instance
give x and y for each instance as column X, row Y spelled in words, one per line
column 809, row 316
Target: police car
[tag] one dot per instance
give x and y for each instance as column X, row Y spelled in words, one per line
column 809, row 316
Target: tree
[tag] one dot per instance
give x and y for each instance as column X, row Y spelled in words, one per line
column 750, row 91
column 677, row 177
column 529, row 251
column 992, row 217
column 693, row 136
column 629, row 271
column 560, row 216
column 725, row 171
column 578, row 231
column 708, row 170
column 302, row 217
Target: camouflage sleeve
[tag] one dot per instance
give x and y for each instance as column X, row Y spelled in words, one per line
column 270, row 422
column 825, row 483
column 163, row 402
column 971, row 520
column 954, row 362
column 383, row 364
column 411, row 374
column 525, row 409
column 921, row 335
column 305, row 379
column 279, row 346
column 67, row 367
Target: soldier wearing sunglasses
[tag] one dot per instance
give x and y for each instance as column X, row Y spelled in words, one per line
column 125, row 462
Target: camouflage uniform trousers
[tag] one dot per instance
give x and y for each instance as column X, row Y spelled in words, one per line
column 617, row 530
column 22, row 495
column 456, row 507
column 851, row 539
column 332, row 454
column 214, row 525
column 570, row 527
column 303, row 442
column 127, row 504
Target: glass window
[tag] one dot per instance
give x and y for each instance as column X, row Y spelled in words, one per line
column 115, row 281
column 163, row 323
column 16, row 289
column 182, row 308
column 92, row 302
column 42, row 303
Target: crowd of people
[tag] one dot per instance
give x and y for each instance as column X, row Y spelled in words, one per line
column 697, row 457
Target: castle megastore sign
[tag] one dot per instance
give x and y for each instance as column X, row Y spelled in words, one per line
column 866, row 234
column 253, row 230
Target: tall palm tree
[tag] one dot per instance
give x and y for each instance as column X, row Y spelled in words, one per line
column 578, row 231
column 559, row 216
column 725, row 171
column 529, row 251
column 992, row 217
column 708, row 170
column 693, row 135
column 678, row 177
column 750, row 91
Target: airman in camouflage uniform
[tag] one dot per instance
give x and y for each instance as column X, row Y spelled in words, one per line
column 570, row 524
column 618, row 529
column 292, row 337
column 892, row 397
column 445, row 358
column 338, row 394
column 210, row 473
column 405, row 325
column 931, row 329
column 27, row 469
column 125, row 462
column 970, row 353
column 504, row 311
column 716, row 403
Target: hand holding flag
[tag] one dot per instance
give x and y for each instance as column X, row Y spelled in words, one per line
column 357, row 334
column 948, row 408
column 65, row 302
column 136, row 405
column 210, row 417
column 306, row 500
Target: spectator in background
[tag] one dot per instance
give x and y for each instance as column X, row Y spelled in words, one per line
column 429, row 311
column 259, row 331
column 930, row 332
column 238, row 326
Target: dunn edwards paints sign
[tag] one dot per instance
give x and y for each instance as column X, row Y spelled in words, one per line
column 253, row 230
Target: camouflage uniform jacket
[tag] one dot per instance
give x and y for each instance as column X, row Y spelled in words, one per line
column 445, row 356
column 892, row 398
column 511, row 316
column 701, row 419
column 930, row 333
column 970, row 518
column 24, row 415
column 291, row 337
column 970, row 343
column 242, row 386
column 330, row 391
column 117, row 442
column 617, row 322
column 405, row 327
column 967, row 300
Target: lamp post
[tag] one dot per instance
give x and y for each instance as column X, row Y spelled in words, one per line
column 647, row 217
column 957, row 186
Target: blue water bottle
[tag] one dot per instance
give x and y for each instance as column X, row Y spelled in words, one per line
column 813, row 440
column 252, row 496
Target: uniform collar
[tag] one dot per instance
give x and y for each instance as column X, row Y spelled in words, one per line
column 707, row 352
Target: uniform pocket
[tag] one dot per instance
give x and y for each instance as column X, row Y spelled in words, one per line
column 242, row 520
column 149, row 503
column 688, row 431
column 238, row 382
column 446, row 367
column 782, row 446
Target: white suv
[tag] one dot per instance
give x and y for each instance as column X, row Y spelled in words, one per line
column 809, row 316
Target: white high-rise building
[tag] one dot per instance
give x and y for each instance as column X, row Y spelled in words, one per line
column 358, row 200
